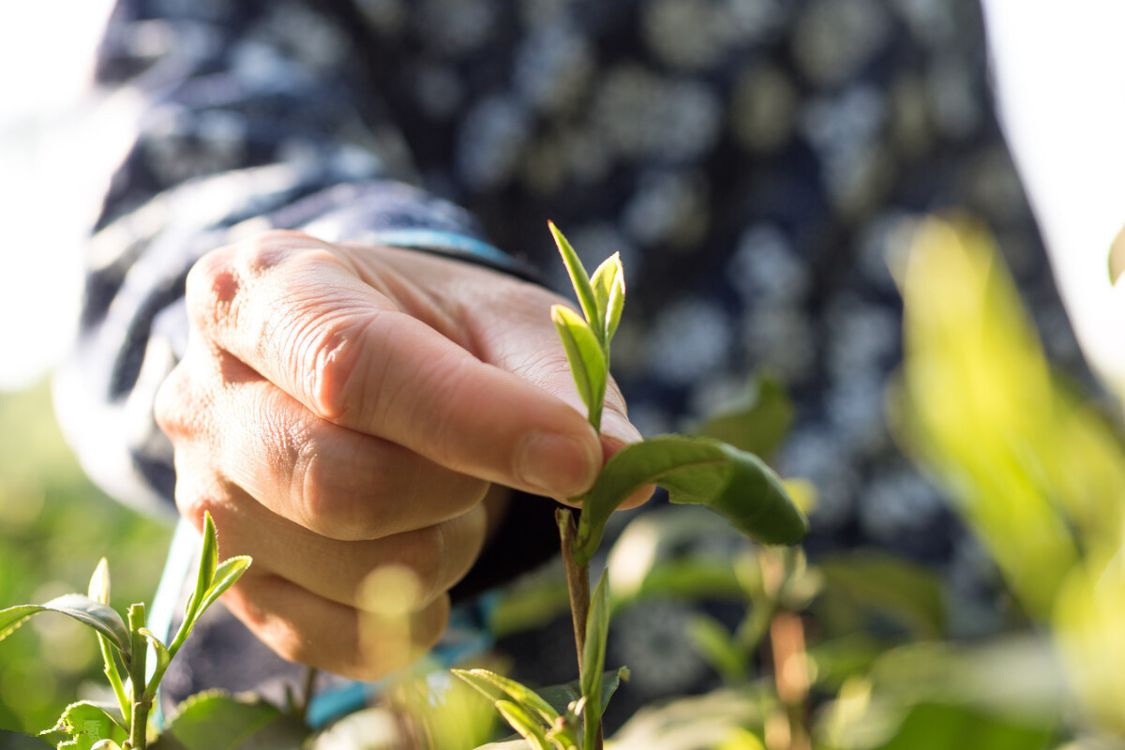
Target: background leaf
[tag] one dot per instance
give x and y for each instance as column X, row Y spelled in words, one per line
column 717, row 646
column 758, row 423
column 940, row 727
column 13, row 741
column 904, row 591
column 219, row 721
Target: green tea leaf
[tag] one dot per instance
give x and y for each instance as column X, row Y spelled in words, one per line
column 226, row 575
column 695, row 471
column 99, row 587
column 578, row 277
column 524, row 724
column 77, row 607
column 163, row 657
column 597, row 633
column 220, row 578
column 608, row 282
column 84, row 724
column 208, row 561
column 99, row 591
column 493, row 686
column 562, row 696
column 758, row 423
column 587, row 361
column 593, row 658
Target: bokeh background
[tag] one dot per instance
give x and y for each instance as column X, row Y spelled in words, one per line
column 1060, row 82
column 54, row 524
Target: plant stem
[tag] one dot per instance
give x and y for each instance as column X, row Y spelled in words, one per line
column 578, row 590
column 113, row 674
column 577, row 582
column 307, row 694
column 142, row 702
column 790, row 668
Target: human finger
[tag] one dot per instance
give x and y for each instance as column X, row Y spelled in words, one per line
column 301, row 316
column 302, row 627
column 438, row 556
column 336, row 482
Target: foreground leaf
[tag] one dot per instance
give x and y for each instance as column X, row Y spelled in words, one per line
column 99, row 588
column 578, row 277
column 84, row 724
column 208, row 561
column 494, row 687
column 609, row 290
column 226, row 575
column 77, row 607
column 562, row 696
column 696, row 471
column 525, row 724
column 593, row 658
column 586, row 359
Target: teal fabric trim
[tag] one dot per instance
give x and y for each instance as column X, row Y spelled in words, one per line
column 181, row 557
column 436, row 239
column 466, row 637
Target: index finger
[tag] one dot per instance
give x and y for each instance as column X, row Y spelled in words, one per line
column 299, row 314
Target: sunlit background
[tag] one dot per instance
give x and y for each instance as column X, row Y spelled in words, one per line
column 1060, row 82
column 54, row 525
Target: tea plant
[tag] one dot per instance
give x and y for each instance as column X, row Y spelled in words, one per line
column 695, row 470
column 125, row 644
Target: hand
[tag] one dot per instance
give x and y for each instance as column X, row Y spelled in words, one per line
column 344, row 409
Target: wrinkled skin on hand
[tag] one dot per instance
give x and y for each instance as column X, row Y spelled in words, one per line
column 344, row 409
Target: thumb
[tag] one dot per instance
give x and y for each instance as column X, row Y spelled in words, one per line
column 524, row 342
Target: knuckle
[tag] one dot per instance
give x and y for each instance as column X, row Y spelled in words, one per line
column 169, row 406
column 290, row 643
column 330, row 352
column 325, row 509
column 263, row 252
column 194, row 503
column 428, row 562
column 211, row 288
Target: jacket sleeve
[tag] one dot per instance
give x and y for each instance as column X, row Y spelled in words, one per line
column 248, row 116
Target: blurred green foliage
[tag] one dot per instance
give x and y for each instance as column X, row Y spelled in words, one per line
column 1032, row 466
column 54, row 526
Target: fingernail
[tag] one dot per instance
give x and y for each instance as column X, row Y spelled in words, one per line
column 620, row 430
column 558, row 465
